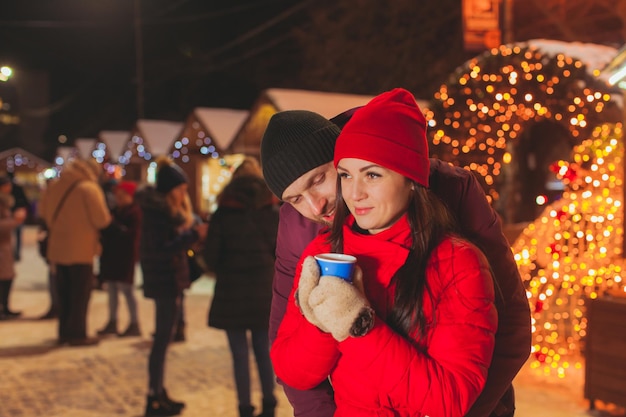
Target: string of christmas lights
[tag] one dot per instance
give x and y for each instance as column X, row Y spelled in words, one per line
column 573, row 252
column 478, row 114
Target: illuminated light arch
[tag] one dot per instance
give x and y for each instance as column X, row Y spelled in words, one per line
column 573, row 252
column 478, row 115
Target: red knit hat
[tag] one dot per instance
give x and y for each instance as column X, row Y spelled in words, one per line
column 128, row 187
column 389, row 131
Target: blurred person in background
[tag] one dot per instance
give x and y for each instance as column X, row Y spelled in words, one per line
column 120, row 253
column 167, row 232
column 21, row 202
column 10, row 219
column 75, row 212
column 239, row 249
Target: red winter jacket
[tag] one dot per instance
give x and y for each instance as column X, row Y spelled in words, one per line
column 479, row 223
column 382, row 373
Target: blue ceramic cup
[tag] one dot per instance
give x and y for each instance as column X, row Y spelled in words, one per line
column 336, row 264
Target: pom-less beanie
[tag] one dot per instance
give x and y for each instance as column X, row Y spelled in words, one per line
column 295, row 142
column 168, row 177
column 389, row 131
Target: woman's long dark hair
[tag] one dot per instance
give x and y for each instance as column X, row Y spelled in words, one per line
column 430, row 221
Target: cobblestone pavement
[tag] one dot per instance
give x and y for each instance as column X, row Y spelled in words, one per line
column 38, row 378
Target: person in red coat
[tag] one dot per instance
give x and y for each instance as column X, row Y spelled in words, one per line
column 297, row 159
column 414, row 333
column 120, row 253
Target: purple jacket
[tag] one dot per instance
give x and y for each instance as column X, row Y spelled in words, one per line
column 478, row 222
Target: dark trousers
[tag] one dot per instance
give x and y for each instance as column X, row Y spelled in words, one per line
column 17, row 248
column 167, row 310
column 52, row 289
column 74, row 284
column 238, row 343
column 5, row 291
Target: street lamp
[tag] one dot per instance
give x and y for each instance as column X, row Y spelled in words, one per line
column 5, row 73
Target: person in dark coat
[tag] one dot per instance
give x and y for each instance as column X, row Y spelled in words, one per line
column 239, row 248
column 120, row 252
column 167, row 231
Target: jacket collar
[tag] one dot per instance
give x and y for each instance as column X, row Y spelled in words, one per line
column 382, row 254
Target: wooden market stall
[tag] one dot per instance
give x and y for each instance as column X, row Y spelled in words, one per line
column 109, row 150
column 85, row 147
column 200, row 151
column 273, row 100
column 148, row 140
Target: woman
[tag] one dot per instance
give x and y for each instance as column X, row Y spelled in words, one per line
column 120, row 248
column 9, row 220
column 166, row 233
column 240, row 248
column 415, row 333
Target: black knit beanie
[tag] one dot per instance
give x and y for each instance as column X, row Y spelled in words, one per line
column 295, row 142
column 169, row 176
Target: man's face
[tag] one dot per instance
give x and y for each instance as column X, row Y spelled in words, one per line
column 313, row 194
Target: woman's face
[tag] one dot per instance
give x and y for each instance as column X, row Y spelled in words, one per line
column 122, row 198
column 377, row 197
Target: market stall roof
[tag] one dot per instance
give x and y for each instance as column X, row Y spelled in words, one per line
column 273, row 100
column 85, row 147
column 64, row 154
column 21, row 157
column 115, row 141
column 327, row 104
column 158, row 135
column 221, row 124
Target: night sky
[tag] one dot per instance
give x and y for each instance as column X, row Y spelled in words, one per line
column 195, row 53
column 77, row 58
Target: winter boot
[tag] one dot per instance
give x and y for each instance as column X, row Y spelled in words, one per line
column 246, row 411
column 269, row 408
column 110, row 328
column 157, row 406
column 131, row 330
column 9, row 314
column 174, row 404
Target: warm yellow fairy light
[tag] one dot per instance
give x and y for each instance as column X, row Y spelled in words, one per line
column 580, row 256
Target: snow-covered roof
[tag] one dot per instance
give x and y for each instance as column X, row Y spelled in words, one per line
column 158, row 135
column 115, row 140
column 223, row 124
column 594, row 56
column 65, row 152
column 25, row 156
column 85, row 147
column 325, row 103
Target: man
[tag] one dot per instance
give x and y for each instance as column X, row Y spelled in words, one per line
column 296, row 155
column 21, row 202
column 75, row 211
